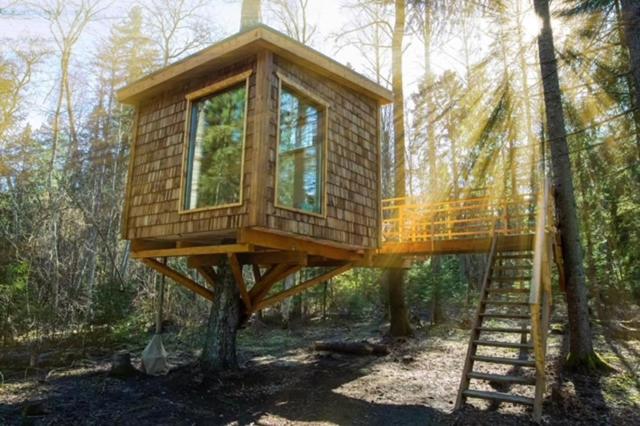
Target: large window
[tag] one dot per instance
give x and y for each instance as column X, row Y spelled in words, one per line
column 300, row 173
column 216, row 147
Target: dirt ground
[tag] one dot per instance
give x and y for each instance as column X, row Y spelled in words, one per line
column 283, row 382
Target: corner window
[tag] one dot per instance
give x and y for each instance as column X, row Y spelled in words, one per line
column 301, row 145
column 215, row 153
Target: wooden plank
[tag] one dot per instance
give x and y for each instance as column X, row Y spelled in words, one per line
column 521, row 380
column 236, row 268
column 178, row 278
column 195, row 250
column 497, row 344
column 283, row 242
column 461, row 245
column 208, row 274
column 499, row 396
column 301, row 287
column 507, row 361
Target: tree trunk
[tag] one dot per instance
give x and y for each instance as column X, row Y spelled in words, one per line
column 396, row 277
column 631, row 29
column 397, row 307
column 250, row 15
column 581, row 353
column 219, row 352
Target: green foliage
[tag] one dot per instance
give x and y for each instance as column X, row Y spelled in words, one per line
column 113, row 302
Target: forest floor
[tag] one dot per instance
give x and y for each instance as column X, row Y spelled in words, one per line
column 283, row 381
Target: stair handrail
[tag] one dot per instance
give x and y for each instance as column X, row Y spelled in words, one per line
column 540, row 289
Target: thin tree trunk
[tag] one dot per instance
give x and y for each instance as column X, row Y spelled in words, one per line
column 396, row 277
column 581, row 353
column 219, row 352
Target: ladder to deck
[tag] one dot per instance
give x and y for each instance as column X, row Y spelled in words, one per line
column 505, row 360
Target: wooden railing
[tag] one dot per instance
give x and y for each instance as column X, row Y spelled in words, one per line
column 540, row 290
column 413, row 219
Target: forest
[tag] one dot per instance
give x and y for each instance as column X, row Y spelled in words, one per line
column 489, row 98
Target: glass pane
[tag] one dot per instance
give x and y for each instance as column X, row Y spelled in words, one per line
column 300, row 153
column 216, row 141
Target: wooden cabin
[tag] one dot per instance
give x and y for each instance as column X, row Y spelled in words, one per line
column 254, row 138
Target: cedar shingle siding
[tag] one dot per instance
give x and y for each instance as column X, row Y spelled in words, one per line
column 352, row 205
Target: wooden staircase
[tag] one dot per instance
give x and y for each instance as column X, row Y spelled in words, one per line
column 506, row 356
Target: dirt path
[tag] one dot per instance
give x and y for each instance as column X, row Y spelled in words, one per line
column 283, row 382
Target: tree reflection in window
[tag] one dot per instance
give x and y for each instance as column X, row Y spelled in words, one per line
column 300, row 152
column 216, row 141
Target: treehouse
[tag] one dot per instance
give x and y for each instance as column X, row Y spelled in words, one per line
column 256, row 140
column 261, row 151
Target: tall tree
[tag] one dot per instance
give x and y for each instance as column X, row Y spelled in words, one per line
column 631, row 30
column 293, row 16
column 396, row 276
column 581, row 352
column 251, row 14
column 178, row 27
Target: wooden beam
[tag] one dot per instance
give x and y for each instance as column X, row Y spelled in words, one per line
column 204, row 260
column 261, row 127
column 274, row 257
column 192, row 251
column 461, row 245
column 178, row 278
column 301, row 287
column 208, row 274
column 275, row 274
column 236, row 268
column 289, row 243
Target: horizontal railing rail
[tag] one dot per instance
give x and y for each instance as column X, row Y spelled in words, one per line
column 414, row 219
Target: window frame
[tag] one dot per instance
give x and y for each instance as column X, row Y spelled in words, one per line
column 324, row 107
column 195, row 96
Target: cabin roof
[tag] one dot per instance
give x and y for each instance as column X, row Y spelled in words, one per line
column 243, row 44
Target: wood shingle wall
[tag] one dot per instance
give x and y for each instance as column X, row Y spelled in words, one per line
column 158, row 153
column 352, row 169
column 352, row 205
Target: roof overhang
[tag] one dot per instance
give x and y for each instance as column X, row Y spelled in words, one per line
column 240, row 46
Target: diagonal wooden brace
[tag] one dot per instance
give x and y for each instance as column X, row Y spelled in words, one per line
column 300, row 287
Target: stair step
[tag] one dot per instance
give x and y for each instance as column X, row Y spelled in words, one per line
column 504, row 330
column 512, row 268
column 503, row 344
column 514, row 256
column 507, row 316
column 498, row 396
column 520, row 380
column 505, row 303
column 508, row 290
column 508, row 361
column 504, row 279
